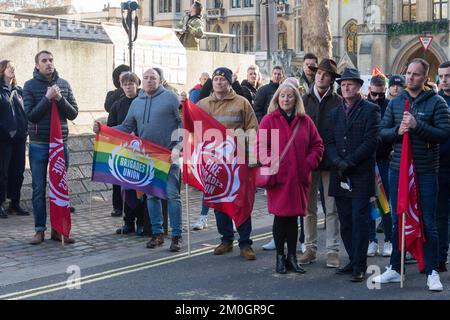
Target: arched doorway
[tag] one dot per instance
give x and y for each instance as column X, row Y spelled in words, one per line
column 434, row 56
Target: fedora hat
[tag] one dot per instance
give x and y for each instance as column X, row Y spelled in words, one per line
column 327, row 65
column 350, row 74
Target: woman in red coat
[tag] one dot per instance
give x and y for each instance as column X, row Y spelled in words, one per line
column 288, row 192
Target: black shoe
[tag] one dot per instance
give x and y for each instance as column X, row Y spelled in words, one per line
column 3, row 214
column 358, row 277
column 126, row 229
column 442, row 267
column 16, row 208
column 281, row 264
column 175, row 246
column 292, row 264
column 116, row 213
column 380, row 228
column 347, row 269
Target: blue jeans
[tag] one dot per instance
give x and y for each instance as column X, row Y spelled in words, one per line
column 225, row 228
column 38, row 154
column 354, row 222
column 173, row 202
column 383, row 167
column 205, row 208
column 428, row 187
column 443, row 214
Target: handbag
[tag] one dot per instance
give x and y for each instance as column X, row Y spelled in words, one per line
column 268, row 181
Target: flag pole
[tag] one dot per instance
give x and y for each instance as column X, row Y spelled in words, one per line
column 188, row 220
column 402, row 265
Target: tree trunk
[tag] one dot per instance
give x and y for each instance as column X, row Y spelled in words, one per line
column 316, row 28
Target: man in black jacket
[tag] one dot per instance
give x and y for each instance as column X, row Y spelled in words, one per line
column 265, row 94
column 428, row 124
column 319, row 102
column 351, row 144
column 39, row 93
column 250, row 85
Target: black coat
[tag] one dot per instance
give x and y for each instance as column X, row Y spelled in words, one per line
column 384, row 149
column 119, row 111
column 354, row 139
column 12, row 115
column 319, row 113
column 111, row 97
column 263, row 98
column 38, row 107
column 249, row 91
column 433, row 127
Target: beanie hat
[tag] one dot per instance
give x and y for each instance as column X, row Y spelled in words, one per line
column 396, row 79
column 224, row 72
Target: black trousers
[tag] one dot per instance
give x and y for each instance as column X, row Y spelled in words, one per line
column 443, row 214
column 285, row 229
column 354, row 220
column 117, row 198
column 12, row 167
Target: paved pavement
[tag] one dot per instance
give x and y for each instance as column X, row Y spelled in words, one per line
column 96, row 242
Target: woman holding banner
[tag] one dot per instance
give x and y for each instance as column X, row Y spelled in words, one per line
column 300, row 151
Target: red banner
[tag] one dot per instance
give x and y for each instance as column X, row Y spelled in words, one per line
column 58, row 188
column 211, row 163
column 408, row 203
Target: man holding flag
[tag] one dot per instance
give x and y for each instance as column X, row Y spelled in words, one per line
column 233, row 112
column 49, row 103
column 415, row 122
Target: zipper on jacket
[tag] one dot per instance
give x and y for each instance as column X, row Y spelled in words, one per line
column 149, row 110
column 145, row 110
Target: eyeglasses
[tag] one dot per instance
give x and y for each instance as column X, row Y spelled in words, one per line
column 377, row 94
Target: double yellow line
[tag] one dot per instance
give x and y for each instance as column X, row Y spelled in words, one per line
column 119, row 271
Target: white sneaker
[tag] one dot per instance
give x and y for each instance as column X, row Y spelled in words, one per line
column 201, row 223
column 387, row 249
column 388, row 276
column 270, row 245
column 301, row 248
column 373, row 249
column 433, row 282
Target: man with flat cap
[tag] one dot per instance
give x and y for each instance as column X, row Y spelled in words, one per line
column 319, row 102
column 351, row 144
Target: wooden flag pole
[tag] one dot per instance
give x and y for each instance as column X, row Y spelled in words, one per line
column 402, row 266
column 188, row 220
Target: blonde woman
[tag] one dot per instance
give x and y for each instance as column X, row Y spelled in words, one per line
column 287, row 198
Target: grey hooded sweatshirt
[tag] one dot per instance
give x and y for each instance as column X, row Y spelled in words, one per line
column 154, row 117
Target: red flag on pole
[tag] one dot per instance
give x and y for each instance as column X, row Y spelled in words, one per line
column 58, row 189
column 408, row 203
column 212, row 165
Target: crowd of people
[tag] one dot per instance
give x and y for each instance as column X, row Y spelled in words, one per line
column 330, row 144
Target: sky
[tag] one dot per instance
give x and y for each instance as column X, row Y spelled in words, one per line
column 94, row 5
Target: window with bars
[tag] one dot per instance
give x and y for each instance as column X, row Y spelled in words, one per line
column 282, row 36
column 409, row 10
column 440, row 9
column 247, row 36
column 236, row 41
column 235, row 3
column 248, row 3
column 351, row 41
column 164, row 6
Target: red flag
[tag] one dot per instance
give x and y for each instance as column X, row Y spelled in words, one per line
column 212, row 165
column 58, row 189
column 408, row 203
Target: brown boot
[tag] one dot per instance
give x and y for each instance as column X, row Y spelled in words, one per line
column 56, row 236
column 223, row 248
column 38, row 238
column 248, row 253
column 157, row 240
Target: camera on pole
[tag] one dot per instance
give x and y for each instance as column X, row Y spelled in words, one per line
column 128, row 22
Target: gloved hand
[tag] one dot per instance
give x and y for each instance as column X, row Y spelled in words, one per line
column 344, row 166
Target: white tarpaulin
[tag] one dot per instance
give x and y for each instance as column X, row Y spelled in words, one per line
column 154, row 47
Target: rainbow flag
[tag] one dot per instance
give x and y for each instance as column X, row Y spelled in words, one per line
column 131, row 162
column 380, row 204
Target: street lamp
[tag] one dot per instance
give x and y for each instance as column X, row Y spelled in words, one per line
column 266, row 3
column 127, row 23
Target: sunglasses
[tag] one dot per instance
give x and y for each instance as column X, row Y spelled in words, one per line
column 377, row 94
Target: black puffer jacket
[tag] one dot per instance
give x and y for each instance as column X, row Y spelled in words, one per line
column 13, row 119
column 384, row 149
column 38, row 107
column 433, row 127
